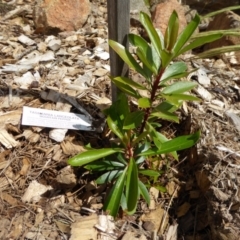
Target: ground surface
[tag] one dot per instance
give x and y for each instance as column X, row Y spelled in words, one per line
column 202, row 197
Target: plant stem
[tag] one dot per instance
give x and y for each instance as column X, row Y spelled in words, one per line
column 153, row 95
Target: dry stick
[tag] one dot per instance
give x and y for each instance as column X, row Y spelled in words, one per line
column 165, row 215
column 118, row 29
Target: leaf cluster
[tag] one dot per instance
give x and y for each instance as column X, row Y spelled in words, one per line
column 127, row 165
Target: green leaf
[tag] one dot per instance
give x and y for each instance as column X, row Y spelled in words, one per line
column 144, row 192
column 144, row 51
column 166, row 115
column 108, row 176
column 139, row 138
column 126, row 57
column 132, row 186
column 114, row 125
column 200, row 42
column 217, row 51
column 160, row 137
column 177, row 68
column 144, row 103
column 179, row 87
column 129, row 81
column 133, row 120
column 186, row 34
column 126, row 88
column 171, row 31
column 104, row 165
column 91, row 155
column 176, row 144
column 211, row 14
column 150, row 173
column 151, row 31
column 175, row 98
column 113, row 200
column 165, row 106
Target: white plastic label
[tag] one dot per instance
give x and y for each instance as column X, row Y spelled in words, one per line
column 55, row 119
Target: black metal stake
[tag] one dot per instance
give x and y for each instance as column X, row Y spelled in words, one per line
column 118, row 29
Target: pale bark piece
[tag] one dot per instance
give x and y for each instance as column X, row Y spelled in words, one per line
column 163, row 12
column 34, row 192
column 234, row 118
column 60, row 15
column 84, row 228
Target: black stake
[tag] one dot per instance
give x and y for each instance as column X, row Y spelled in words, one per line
column 118, row 29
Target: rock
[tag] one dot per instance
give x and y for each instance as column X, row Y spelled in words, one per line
column 53, row 16
column 163, row 12
column 225, row 20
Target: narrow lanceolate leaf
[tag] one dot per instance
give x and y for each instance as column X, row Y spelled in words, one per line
column 132, row 186
column 176, row 144
column 91, row 155
column 144, row 102
column 175, row 98
column 126, row 56
column 217, row 51
column 104, row 165
column 165, row 115
column 129, row 81
column 144, row 51
column 173, row 70
column 133, row 120
column 171, row 31
column 114, row 126
column 151, row 31
column 179, row 87
column 144, row 192
column 126, row 88
column 186, row 34
column 108, row 176
column 113, row 200
column 150, row 173
column 200, row 42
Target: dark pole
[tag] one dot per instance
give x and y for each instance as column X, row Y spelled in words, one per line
column 118, row 29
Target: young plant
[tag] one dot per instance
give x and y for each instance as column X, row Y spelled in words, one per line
column 129, row 164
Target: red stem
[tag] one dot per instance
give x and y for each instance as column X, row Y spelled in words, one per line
column 153, row 95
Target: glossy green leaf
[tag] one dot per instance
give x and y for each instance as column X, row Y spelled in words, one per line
column 108, row 176
column 129, row 81
column 126, row 56
column 126, row 88
column 217, row 51
column 139, row 138
column 146, row 61
column 186, row 34
column 114, row 125
column 165, row 106
column 151, row 31
column 211, row 14
column 200, row 42
column 160, row 137
column 166, row 115
column 104, row 165
column 179, row 87
column 144, row 51
column 173, row 70
column 91, row 155
column 132, row 186
column 133, row 120
column 144, row 192
column 113, row 200
column 176, row 144
column 144, row 102
column 175, row 98
column 150, row 173
column 171, row 33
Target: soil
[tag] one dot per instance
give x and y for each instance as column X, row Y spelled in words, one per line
column 41, row 197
